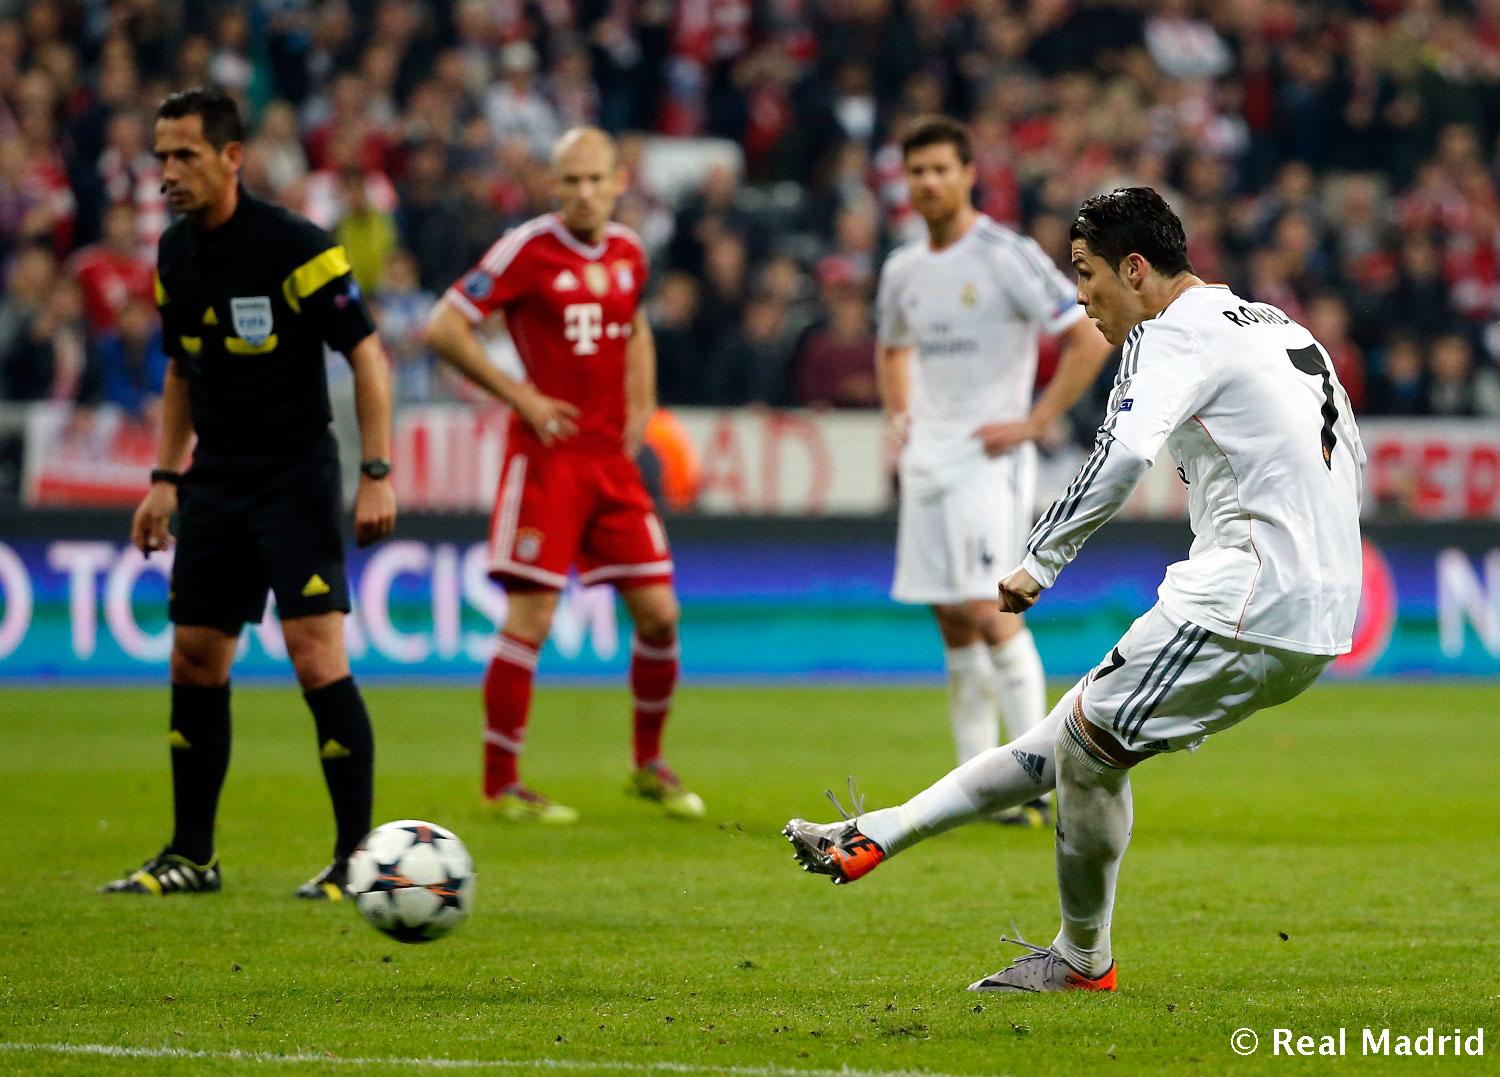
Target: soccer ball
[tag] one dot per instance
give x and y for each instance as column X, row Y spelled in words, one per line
column 412, row 880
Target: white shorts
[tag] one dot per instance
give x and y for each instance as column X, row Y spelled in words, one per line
column 1169, row 683
column 956, row 544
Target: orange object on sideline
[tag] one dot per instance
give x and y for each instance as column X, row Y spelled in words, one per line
column 681, row 474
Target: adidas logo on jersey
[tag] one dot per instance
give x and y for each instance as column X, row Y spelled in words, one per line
column 566, row 282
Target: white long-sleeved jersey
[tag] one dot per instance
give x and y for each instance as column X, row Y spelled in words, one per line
column 1247, row 403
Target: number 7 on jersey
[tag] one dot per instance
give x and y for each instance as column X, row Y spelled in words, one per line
column 1311, row 360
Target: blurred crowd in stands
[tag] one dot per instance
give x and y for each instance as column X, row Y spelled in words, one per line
column 1339, row 160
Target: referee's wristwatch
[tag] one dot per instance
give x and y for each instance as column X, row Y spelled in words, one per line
column 375, row 468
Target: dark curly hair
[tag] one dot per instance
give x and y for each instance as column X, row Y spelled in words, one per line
column 1133, row 220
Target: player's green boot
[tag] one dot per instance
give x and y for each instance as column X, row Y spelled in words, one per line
column 167, row 873
column 330, row 884
column 522, row 805
column 656, row 782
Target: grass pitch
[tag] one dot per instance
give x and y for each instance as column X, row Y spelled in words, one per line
column 1330, row 863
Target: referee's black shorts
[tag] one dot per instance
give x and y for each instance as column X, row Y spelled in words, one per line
column 248, row 526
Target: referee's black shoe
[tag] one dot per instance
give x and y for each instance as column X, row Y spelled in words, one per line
column 168, row 873
column 330, row 884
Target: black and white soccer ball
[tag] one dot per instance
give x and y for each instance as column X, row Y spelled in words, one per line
column 412, row 880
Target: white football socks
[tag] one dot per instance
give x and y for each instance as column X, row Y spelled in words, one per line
column 1020, row 684
column 971, row 700
column 992, row 781
column 1094, row 816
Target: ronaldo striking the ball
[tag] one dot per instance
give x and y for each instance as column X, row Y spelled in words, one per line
column 1248, row 405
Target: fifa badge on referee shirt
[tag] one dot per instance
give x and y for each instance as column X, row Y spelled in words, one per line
column 970, row 294
column 251, row 316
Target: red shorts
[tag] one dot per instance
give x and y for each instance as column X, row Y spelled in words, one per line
column 556, row 510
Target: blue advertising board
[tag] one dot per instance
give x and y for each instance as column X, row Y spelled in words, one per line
column 773, row 600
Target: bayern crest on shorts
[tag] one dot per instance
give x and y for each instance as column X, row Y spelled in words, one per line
column 528, row 544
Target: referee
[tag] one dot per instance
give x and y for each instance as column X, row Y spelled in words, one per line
column 249, row 295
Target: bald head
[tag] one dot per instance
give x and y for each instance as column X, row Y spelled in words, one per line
column 588, row 180
column 579, row 144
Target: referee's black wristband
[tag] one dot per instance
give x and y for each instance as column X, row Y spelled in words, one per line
column 161, row 474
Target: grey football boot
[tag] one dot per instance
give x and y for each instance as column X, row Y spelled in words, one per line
column 1042, row 970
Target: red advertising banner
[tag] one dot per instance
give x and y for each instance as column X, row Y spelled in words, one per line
column 1434, row 470
column 97, row 458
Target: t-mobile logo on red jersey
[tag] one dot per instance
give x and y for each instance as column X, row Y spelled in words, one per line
column 585, row 325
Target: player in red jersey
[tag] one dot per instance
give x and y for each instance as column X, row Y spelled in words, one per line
column 568, row 285
column 112, row 272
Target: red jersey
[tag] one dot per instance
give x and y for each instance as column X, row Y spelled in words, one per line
column 108, row 279
column 570, row 309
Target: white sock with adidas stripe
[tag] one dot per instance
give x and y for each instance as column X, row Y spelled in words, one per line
column 1000, row 778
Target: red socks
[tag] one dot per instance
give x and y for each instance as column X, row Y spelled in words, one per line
column 507, row 701
column 653, row 675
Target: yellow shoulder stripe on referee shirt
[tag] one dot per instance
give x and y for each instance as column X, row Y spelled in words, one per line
column 161, row 293
column 313, row 274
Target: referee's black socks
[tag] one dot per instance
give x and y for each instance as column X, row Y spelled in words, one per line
column 346, row 745
column 200, row 758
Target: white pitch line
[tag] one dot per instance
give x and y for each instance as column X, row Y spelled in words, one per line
column 105, row 1050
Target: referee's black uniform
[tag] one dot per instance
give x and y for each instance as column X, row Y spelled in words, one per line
column 250, row 295
column 246, row 310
